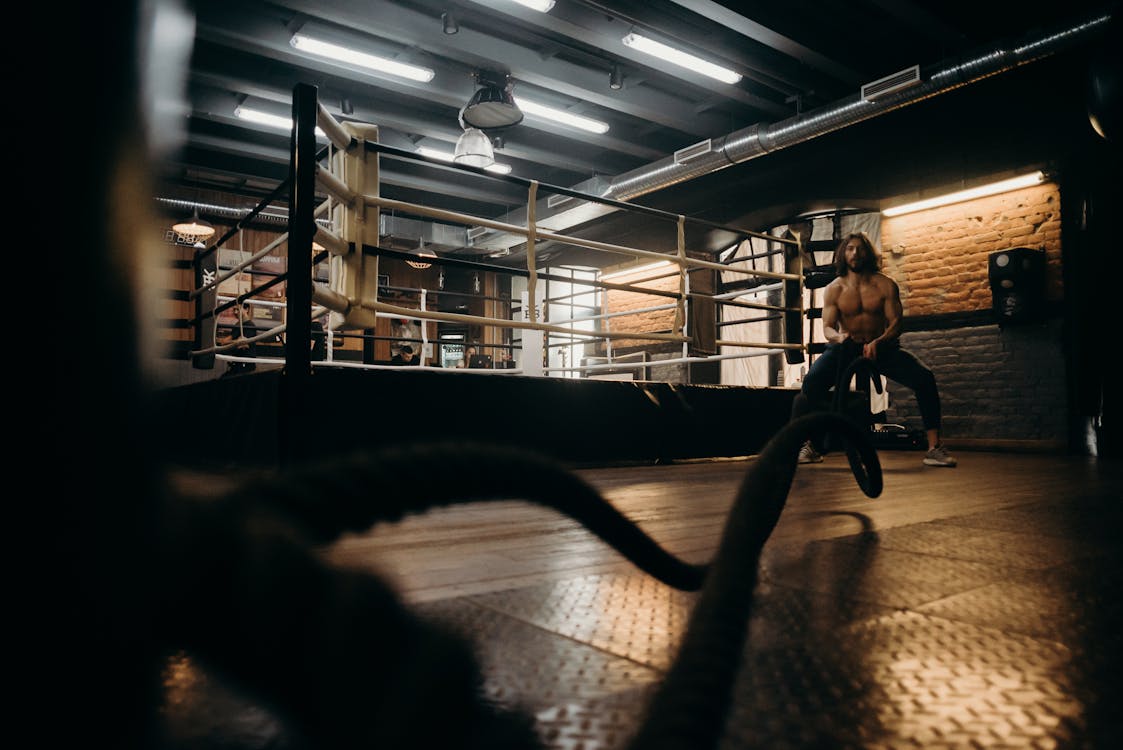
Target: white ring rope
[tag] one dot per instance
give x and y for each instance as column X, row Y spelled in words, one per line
column 525, row 325
column 622, row 313
column 541, row 234
column 234, row 270
column 657, row 362
column 742, row 292
column 356, row 201
column 339, row 137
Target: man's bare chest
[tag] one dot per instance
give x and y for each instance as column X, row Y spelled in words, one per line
column 859, row 298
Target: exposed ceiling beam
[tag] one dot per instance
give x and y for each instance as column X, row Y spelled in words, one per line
column 920, row 20
column 257, row 36
column 276, row 88
column 611, row 43
column 759, row 33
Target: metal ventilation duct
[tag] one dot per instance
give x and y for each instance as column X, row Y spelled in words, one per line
column 760, row 139
column 223, row 214
column 738, row 146
column 432, row 234
column 757, row 140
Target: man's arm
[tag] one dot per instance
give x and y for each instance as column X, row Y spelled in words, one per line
column 224, row 337
column 893, row 312
column 832, row 331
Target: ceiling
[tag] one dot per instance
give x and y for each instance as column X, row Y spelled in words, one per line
column 796, row 58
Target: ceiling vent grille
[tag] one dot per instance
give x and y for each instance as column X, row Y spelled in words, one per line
column 891, row 83
column 556, row 200
column 690, row 153
column 476, row 232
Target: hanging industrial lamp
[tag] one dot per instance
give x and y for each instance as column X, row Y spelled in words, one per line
column 474, row 149
column 421, row 252
column 493, row 104
column 194, row 229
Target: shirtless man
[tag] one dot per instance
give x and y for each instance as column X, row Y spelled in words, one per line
column 862, row 318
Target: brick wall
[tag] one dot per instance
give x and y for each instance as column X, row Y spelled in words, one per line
column 939, row 256
column 652, row 321
column 998, row 384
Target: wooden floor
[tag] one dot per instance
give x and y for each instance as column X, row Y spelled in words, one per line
column 488, row 547
column 979, row 606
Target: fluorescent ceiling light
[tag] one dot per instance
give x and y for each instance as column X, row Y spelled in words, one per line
column 561, row 116
column 678, row 57
column 542, row 6
column 361, row 59
column 434, row 153
column 271, row 120
column 993, row 188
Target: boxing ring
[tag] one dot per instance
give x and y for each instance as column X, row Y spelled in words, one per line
column 542, row 334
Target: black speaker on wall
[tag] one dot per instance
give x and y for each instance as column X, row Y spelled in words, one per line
column 1017, row 284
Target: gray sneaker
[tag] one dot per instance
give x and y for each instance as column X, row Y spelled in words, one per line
column 808, row 454
column 938, row 456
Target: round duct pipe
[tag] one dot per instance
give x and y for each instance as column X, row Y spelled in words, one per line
column 757, row 140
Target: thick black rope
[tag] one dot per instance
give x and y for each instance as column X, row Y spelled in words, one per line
column 343, row 688
column 690, row 709
column 353, row 493
column 860, row 366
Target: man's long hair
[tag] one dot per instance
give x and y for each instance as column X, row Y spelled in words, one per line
column 870, row 260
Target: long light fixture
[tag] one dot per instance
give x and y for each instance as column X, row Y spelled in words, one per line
column 678, row 57
column 434, row 153
column 366, row 60
column 542, row 6
column 561, row 116
column 994, row 188
column 268, row 119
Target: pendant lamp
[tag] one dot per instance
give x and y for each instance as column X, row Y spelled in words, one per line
column 473, row 149
column 421, row 252
column 493, row 104
column 193, row 229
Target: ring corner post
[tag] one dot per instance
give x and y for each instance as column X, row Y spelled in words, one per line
column 294, row 413
column 205, row 264
column 793, row 304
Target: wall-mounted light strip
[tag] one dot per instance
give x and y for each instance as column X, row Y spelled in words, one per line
column 561, row 116
column 434, row 153
column 659, row 264
column 265, row 118
column 375, row 63
column 993, row 188
column 683, row 59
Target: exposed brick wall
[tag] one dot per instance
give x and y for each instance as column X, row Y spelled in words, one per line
column 996, row 383
column 939, row 256
column 661, row 321
column 676, row 372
